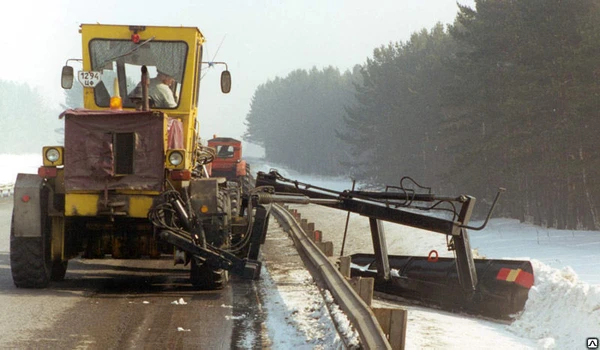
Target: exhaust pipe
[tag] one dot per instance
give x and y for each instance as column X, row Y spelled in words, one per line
column 145, row 85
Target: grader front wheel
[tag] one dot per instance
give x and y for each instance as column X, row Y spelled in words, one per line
column 58, row 271
column 204, row 278
column 30, row 262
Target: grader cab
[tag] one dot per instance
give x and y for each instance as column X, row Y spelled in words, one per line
column 130, row 180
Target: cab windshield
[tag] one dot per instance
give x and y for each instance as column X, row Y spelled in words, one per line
column 123, row 60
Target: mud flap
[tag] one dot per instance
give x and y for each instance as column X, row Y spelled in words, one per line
column 27, row 206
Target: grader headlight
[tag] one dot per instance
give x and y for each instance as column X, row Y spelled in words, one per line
column 53, row 156
column 175, row 159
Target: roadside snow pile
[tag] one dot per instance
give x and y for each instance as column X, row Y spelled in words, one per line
column 509, row 238
column 308, row 324
column 179, row 302
column 343, row 323
column 561, row 311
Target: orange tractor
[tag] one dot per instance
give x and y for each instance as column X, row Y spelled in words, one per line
column 228, row 162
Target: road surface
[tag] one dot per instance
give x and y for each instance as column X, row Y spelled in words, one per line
column 109, row 304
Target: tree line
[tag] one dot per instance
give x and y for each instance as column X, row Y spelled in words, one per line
column 505, row 96
column 28, row 122
column 293, row 119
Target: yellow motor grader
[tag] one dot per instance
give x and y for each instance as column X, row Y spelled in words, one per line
column 130, row 180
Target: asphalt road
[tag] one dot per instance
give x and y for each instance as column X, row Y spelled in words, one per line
column 123, row 304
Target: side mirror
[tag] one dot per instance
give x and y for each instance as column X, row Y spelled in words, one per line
column 66, row 77
column 225, row 82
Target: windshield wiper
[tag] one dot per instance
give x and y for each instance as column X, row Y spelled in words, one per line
column 128, row 52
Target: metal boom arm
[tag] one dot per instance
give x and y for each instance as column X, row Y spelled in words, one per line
column 385, row 206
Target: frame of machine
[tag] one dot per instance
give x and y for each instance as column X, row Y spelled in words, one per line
column 489, row 287
column 130, row 180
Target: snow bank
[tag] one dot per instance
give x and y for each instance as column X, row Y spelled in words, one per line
column 307, row 321
column 344, row 326
column 563, row 308
column 511, row 239
column 13, row 164
column 561, row 311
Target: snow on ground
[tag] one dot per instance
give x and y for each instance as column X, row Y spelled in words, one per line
column 562, row 311
column 298, row 313
column 580, row 250
column 563, row 308
column 297, row 316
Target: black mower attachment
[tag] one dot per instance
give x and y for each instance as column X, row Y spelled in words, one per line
column 492, row 288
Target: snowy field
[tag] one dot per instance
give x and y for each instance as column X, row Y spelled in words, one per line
column 11, row 165
column 563, row 309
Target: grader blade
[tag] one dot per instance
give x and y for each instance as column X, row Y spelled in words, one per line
column 501, row 292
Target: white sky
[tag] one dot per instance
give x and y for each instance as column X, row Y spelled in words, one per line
column 262, row 39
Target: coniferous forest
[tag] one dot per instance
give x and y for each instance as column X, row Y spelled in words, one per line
column 21, row 107
column 505, row 96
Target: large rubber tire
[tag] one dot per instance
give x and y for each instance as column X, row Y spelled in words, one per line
column 218, row 228
column 30, row 262
column 205, row 278
column 31, row 266
column 59, row 269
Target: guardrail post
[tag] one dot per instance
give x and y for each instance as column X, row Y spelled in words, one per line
column 304, row 225
column 345, row 266
column 317, row 236
column 363, row 286
column 359, row 314
column 6, row 190
column 327, row 248
column 393, row 323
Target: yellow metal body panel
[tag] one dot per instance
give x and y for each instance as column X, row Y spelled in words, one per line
column 58, row 162
column 81, row 204
column 139, row 206
column 139, row 202
column 187, row 109
column 58, row 238
column 86, row 204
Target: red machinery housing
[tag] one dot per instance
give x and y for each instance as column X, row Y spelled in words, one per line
column 228, row 162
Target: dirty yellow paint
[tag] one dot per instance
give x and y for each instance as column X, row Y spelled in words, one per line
column 512, row 276
column 139, row 206
column 80, row 204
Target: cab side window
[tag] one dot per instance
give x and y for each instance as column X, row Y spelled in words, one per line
column 224, row 151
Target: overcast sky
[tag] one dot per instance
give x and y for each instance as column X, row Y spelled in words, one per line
column 261, row 39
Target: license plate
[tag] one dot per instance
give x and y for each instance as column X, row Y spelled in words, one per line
column 89, row 78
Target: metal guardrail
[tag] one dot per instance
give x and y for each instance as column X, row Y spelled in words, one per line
column 359, row 313
column 7, row 190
